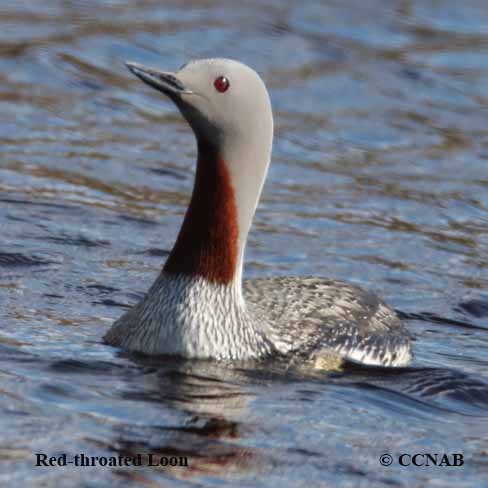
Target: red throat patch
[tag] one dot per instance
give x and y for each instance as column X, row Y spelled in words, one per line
column 207, row 244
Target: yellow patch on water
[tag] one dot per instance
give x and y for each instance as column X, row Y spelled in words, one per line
column 328, row 362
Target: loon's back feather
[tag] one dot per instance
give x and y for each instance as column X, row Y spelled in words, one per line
column 317, row 315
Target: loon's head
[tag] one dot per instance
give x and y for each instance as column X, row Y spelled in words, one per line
column 224, row 101
column 227, row 106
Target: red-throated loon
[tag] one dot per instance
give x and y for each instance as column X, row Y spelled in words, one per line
column 199, row 306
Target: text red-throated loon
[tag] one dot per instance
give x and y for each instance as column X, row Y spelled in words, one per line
column 199, row 306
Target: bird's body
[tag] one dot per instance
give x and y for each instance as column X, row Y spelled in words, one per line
column 313, row 316
column 199, row 307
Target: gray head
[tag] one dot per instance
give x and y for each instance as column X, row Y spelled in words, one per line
column 221, row 99
column 227, row 105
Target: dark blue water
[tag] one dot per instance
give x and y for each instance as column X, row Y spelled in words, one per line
column 379, row 177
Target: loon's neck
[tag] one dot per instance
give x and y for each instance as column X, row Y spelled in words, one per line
column 212, row 238
column 207, row 245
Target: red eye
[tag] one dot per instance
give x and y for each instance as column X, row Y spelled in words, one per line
column 221, row 84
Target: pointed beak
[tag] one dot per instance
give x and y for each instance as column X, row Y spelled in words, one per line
column 163, row 81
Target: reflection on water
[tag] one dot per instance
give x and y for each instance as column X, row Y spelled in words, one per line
column 378, row 177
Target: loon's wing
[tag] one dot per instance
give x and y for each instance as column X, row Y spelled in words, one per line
column 309, row 315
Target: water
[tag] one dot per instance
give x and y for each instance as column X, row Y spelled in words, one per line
column 378, row 177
